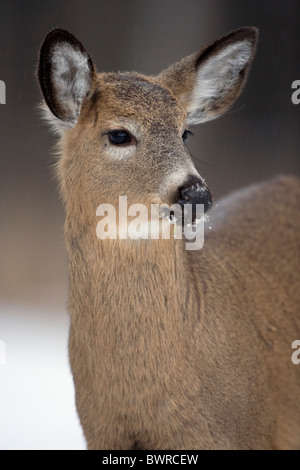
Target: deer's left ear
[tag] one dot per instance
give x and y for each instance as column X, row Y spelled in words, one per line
column 66, row 75
column 208, row 82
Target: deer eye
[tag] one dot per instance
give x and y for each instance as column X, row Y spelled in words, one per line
column 185, row 135
column 119, row 137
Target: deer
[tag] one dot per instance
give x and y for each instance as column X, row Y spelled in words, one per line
column 169, row 348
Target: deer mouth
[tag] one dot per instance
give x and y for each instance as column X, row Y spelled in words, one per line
column 184, row 215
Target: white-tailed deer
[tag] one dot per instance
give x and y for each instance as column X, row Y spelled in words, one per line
column 169, row 348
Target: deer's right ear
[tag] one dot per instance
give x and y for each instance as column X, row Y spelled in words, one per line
column 66, row 74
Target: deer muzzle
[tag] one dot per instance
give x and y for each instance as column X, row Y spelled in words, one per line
column 194, row 192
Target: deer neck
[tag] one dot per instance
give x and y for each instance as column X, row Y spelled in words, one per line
column 121, row 288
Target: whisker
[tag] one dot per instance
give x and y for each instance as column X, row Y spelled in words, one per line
column 199, row 160
column 233, row 111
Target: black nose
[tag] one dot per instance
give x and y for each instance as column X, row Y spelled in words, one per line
column 195, row 191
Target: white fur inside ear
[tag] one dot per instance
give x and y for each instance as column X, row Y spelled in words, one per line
column 216, row 78
column 71, row 78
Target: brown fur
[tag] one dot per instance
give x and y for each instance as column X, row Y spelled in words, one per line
column 169, row 348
